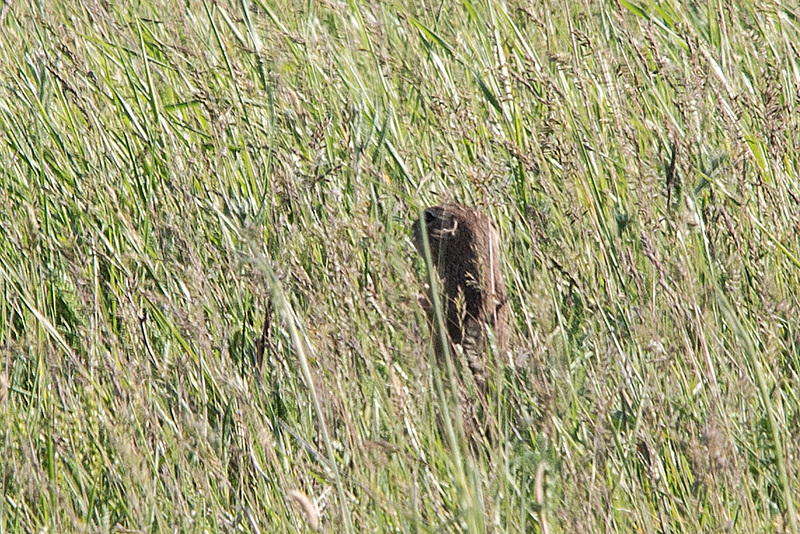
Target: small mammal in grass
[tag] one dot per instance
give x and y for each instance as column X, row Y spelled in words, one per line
column 465, row 249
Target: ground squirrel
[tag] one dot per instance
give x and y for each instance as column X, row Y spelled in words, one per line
column 465, row 248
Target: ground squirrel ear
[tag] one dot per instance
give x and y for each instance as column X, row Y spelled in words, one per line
column 452, row 230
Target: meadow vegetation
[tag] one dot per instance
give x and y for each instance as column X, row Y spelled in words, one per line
column 210, row 316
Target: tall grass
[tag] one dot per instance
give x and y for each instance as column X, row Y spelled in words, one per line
column 210, row 299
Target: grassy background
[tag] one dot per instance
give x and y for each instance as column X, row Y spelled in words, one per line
column 167, row 166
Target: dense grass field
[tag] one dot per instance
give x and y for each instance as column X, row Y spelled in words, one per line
column 210, row 316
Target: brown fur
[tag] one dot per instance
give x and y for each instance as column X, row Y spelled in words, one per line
column 465, row 248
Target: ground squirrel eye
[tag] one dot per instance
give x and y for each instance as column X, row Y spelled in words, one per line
column 430, row 217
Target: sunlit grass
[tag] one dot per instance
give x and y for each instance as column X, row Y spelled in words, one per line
column 211, row 299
